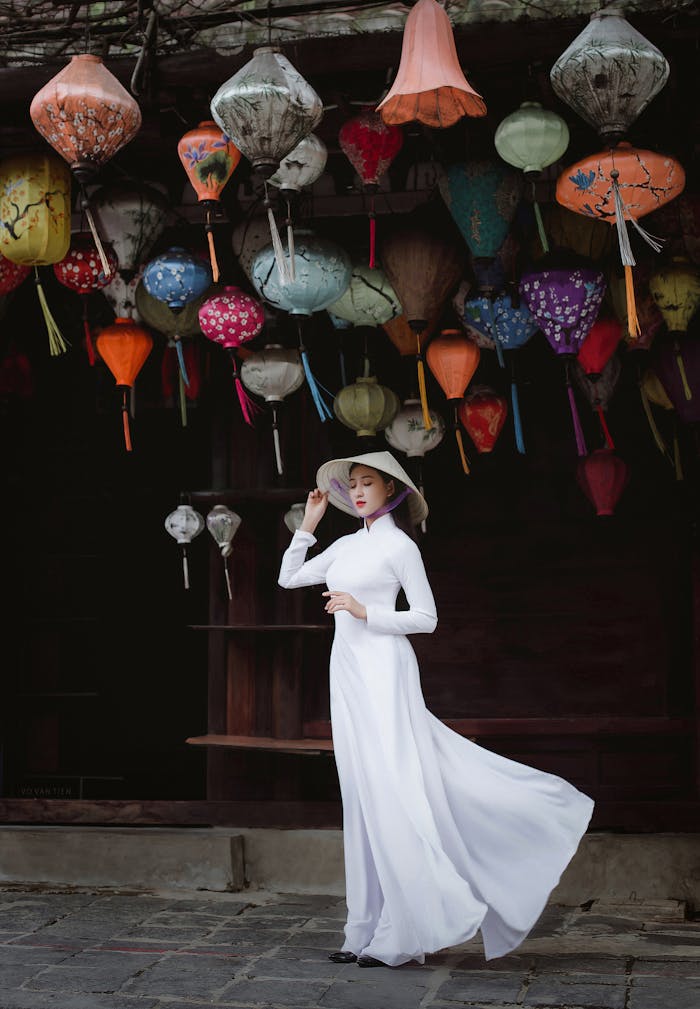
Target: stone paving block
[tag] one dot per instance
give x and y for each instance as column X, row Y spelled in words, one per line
column 667, row 968
column 549, row 991
column 239, row 935
column 377, row 992
column 31, row 954
column 313, row 969
column 664, row 993
column 510, row 962
column 671, row 938
column 274, row 924
column 481, row 986
column 92, row 972
column 156, row 933
column 188, row 977
column 22, row 999
column 576, row 963
column 310, row 939
column 273, row 993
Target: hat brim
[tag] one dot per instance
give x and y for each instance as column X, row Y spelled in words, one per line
column 339, row 470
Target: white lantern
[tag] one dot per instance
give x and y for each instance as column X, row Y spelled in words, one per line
column 248, row 237
column 184, row 524
column 407, row 433
column 295, row 516
column 223, row 525
column 273, row 373
column 302, row 166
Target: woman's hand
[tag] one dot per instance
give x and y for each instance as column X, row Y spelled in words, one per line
column 316, row 504
column 344, row 601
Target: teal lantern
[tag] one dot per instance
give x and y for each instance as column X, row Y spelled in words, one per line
column 531, row 139
column 482, row 197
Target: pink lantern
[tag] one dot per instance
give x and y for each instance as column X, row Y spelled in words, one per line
column 232, row 317
column 81, row 270
column 602, row 477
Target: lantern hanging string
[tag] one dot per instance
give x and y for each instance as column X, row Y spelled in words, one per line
column 185, row 567
column 229, row 593
column 603, row 423
column 181, row 360
column 460, row 443
column 578, row 430
column 89, row 345
column 280, row 259
column 372, row 233
column 212, row 247
column 423, row 525
column 538, row 220
column 427, row 421
column 687, row 391
column 57, row 344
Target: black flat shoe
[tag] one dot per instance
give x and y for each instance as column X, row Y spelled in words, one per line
column 369, row 961
column 342, row 957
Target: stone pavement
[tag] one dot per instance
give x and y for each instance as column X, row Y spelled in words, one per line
column 113, row 950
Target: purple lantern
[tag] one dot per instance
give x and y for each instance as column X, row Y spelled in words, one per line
column 565, row 303
column 666, row 367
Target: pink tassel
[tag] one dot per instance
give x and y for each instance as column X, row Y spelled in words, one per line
column 89, row 346
column 248, row 406
column 608, row 437
column 372, row 240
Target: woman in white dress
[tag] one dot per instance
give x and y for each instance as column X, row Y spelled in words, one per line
column 442, row 837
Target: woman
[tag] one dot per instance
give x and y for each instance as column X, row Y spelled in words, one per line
column 441, row 836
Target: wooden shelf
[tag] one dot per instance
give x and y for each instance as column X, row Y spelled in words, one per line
column 256, row 495
column 305, row 746
column 260, row 628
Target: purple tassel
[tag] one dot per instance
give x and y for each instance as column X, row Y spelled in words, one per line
column 578, row 430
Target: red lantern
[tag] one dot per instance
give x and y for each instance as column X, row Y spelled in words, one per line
column 370, row 145
column 453, row 360
column 11, row 275
column 124, row 347
column 602, row 476
column 599, row 346
column 81, row 271
column 483, row 413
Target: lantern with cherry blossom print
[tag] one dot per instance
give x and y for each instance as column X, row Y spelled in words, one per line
column 81, row 271
column 229, row 318
column 370, row 145
column 483, row 414
column 11, row 275
column 565, row 303
column 602, row 477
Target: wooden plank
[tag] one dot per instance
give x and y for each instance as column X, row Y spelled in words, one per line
column 311, row 746
column 590, row 726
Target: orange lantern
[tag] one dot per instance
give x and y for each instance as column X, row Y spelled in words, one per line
column 453, row 360
column 619, row 185
column 124, row 347
column 429, row 87
column 209, row 158
column 483, row 413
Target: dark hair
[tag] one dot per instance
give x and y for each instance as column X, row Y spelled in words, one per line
column 401, row 514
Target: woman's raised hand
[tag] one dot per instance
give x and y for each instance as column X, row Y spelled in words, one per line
column 316, row 504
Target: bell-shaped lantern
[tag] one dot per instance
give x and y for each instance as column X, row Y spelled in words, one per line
column 599, row 391
column 609, row 74
column 403, row 337
column 676, row 291
column 131, row 217
column 266, row 108
column 453, row 360
column 81, row 271
column 423, row 268
column 365, row 406
column 184, row 524
column 483, row 414
column 209, row 159
column 35, row 215
column 273, row 373
column 531, row 139
column 602, row 477
column 429, row 86
column 408, row 434
column 124, row 346
column 223, row 524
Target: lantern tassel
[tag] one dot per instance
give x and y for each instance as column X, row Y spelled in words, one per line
column 290, row 245
column 688, row 392
column 372, row 235
column 125, row 422
column 89, row 345
column 229, row 593
column 538, row 220
column 460, row 446
column 278, row 249
column 248, row 405
column 423, row 525
column 324, row 411
column 677, row 465
column 606, row 431
column 578, row 430
column 57, row 344
column 517, row 421
column 181, row 361
column 276, row 442
column 183, row 400
column 185, row 568
column 212, row 249
column 422, row 389
column 660, row 443
column 106, row 267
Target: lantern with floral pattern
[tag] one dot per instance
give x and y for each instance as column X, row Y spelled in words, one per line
column 81, row 271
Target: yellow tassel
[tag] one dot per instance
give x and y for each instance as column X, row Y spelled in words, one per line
column 427, row 422
column 677, row 457
column 212, row 250
column 57, row 345
column 633, row 327
column 684, row 378
column 462, row 454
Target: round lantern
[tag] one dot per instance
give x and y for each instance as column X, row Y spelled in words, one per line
column 176, row 277
column 184, row 524
column 11, row 275
column 429, row 86
column 407, row 433
column 403, row 337
column 599, row 391
column 609, row 74
column 35, row 216
column 294, row 516
column 81, row 271
column 209, row 159
column 266, row 108
column 301, row 167
column 229, row 318
column 676, row 291
column 131, row 217
column 602, row 477
column 273, row 373
column 483, row 413
column 369, row 299
column 124, row 347
column 223, row 524
column 453, row 360
column 366, row 406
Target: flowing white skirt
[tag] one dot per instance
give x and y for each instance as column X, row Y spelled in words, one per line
column 442, row 837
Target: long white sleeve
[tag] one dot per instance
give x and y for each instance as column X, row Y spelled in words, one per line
column 295, row 571
column 421, row 618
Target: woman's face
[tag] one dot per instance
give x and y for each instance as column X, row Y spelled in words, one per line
column 367, row 490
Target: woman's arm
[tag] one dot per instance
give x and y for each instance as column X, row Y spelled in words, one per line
column 421, row 618
column 295, row 571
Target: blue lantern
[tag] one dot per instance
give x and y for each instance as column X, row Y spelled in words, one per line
column 320, row 274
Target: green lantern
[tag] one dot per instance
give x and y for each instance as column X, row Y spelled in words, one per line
column 369, row 300
column 366, row 406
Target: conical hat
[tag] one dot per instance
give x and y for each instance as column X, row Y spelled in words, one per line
column 337, row 471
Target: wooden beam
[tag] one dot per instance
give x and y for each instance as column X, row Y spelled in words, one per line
column 309, row 746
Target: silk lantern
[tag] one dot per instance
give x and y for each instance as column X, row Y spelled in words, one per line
column 81, row 271
column 209, row 159
column 368, row 300
column 223, row 524
column 531, row 139
column 589, row 237
column 678, row 223
column 299, row 169
column 35, row 216
column 87, row 116
column 599, row 346
column 11, row 275
column 184, row 524
column 599, row 391
column 229, row 318
column 453, row 360
column 370, row 145
column 131, row 217
column 365, row 406
column 676, row 291
column 565, row 304
column 322, row 273
column 423, row 267
column 677, row 363
column 407, row 433
column 622, row 185
column 602, row 477
column 609, row 74
column 121, row 295
column 294, row 516
column 403, row 337
column 273, row 373
column 483, row 414
column 429, row 86
column 124, row 346
column 249, row 236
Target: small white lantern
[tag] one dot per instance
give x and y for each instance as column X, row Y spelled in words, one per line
column 408, row 433
column 295, row 516
column 273, row 373
column 184, row 524
column 223, row 525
